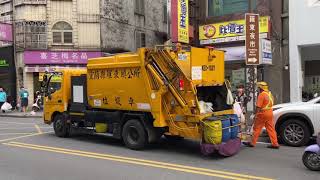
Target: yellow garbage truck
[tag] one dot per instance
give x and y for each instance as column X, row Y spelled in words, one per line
column 138, row 97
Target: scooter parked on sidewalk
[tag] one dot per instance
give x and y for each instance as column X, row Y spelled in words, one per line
column 38, row 102
column 311, row 156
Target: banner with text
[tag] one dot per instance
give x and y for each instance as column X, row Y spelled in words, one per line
column 230, row 31
column 59, row 57
column 180, row 21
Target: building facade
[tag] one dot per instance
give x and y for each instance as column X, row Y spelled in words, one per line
column 222, row 25
column 304, row 45
column 129, row 24
column 51, row 35
column 7, row 64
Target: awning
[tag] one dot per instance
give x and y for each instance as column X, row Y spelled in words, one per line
column 50, row 68
column 237, row 53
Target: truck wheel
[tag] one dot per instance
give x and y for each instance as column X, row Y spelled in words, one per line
column 60, row 126
column 294, row 132
column 134, row 135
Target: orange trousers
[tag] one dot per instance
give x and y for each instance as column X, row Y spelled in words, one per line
column 264, row 119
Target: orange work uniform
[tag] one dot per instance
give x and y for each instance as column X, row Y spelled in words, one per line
column 264, row 118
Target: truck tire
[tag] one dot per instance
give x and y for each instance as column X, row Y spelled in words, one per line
column 60, row 126
column 294, row 132
column 134, row 135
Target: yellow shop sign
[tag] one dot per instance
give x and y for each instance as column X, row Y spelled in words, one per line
column 229, row 31
column 55, row 78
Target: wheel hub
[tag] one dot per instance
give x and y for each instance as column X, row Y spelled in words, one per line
column 314, row 160
column 133, row 134
column 59, row 124
column 294, row 133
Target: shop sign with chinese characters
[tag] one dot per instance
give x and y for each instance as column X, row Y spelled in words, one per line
column 55, row 78
column 59, row 57
column 4, row 63
column 180, row 21
column 266, row 52
column 230, row 31
column 252, row 39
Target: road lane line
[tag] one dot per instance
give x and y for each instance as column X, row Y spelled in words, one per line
column 19, row 137
column 18, row 123
column 128, row 162
column 5, row 134
column 23, row 128
column 38, row 129
column 137, row 160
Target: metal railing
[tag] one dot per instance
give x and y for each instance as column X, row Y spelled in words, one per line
column 31, row 35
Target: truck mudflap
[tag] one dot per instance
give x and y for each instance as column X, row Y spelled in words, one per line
column 227, row 149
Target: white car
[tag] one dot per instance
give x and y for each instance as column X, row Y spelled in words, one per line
column 296, row 123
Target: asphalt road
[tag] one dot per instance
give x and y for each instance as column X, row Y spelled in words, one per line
column 29, row 150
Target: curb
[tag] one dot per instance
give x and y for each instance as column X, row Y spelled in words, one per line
column 21, row 116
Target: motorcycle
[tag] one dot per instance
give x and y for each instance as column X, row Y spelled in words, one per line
column 38, row 102
column 311, row 156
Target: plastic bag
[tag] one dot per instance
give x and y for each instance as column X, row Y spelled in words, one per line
column 238, row 111
column 230, row 99
column 205, row 107
column 6, row 107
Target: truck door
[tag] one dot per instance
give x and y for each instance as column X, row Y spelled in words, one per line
column 54, row 101
column 78, row 93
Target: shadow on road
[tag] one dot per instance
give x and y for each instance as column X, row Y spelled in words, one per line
column 186, row 147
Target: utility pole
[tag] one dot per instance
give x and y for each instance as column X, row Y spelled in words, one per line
column 169, row 18
column 14, row 48
column 252, row 72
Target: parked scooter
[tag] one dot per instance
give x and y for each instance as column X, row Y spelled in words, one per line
column 311, row 156
column 38, row 102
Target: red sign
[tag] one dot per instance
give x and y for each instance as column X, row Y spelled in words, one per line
column 252, row 39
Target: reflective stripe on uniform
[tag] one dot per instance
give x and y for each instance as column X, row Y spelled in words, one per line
column 270, row 101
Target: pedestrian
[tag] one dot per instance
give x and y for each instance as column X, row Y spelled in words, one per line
column 23, row 94
column 241, row 98
column 3, row 97
column 264, row 117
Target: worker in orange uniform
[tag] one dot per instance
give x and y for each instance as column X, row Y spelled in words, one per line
column 264, row 117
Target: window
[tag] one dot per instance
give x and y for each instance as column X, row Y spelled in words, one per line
column 139, row 7
column 140, row 39
column 31, row 34
column 62, row 33
column 225, row 7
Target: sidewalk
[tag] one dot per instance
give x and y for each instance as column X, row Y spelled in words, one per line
column 22, row 115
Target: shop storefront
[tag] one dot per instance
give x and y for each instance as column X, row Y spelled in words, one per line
column 229, row 36
column 7, row 72
column 38, row 62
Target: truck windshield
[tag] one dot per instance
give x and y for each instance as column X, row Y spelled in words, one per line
column 54, row 86
column 55, row 83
